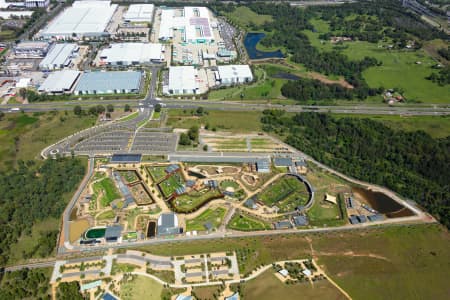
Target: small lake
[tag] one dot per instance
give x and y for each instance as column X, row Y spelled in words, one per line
column 382, row 203
column 250, row 42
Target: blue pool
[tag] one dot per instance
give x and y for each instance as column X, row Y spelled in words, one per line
column 250, row 42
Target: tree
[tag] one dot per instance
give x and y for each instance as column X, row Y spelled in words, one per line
column 205, row 147
column 184, row 139
column 77, row 110
column 200, row 110
column 110, row 108
column 100, row 109
column 23, row 93
column 2, row 115
column 158, row 107
column 193, row 133
column 127, row 108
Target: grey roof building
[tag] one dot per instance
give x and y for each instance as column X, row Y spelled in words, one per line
column 282, row 161
column 116, row 82
column 263, row 166
column 285, row 224
column 113, row 233
column 168, row 224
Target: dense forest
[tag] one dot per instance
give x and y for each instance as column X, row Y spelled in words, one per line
column 410, row 163
column 31, row 193
column 25, row 284
column 305, row 89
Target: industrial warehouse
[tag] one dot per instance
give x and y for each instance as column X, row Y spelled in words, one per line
column 115, row 82
column 60, row 82
column 138, row 13
column 83, row 19
column 127, row 54
column 59, row 56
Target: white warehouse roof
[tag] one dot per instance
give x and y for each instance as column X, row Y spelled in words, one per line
column 83, row 18
column 132, row 53
column 60, row 81
column 193, row 21
column 182, row 80
column 58, row 56
column 235, row 74
column 139, row 13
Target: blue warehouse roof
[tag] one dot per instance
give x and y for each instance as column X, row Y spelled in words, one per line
column 109, row 81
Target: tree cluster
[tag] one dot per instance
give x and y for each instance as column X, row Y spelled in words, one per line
column 31, row 193
column 411, row 163
column 189, row 138
column 305, row 89
column 442, row 77
column 69, row 291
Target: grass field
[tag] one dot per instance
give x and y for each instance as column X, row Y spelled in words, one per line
column 266, row 286
column 235, row 121
column 141, row 287
column 227, row 144
column 214, row 216
column 23, row 136
column 436, row 126
column 194, row 200
column 26, row 243
column 287, row 193
column 108, row 191
column 157, row 172
column 399, row 68
column 156, row 115
column 245, row 223
column 245, row 17
column 224, row 184
column 398, row 262
column 77, row 228
column 205, row 292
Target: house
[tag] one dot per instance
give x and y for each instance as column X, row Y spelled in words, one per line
column 208, row 226
column 307, row 272
column 263, row 166
column 168, row 224
column 285, row 224
column 376, row 217
column 250, row 203
column 353, row 220
column 284, row 272
column 300, row 220
column 362, row 218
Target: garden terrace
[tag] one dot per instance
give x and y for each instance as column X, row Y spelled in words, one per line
column 213, row 216
column 287, row 193
column 194, row 200
column 169, row 186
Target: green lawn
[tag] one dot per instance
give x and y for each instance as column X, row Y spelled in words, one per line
column 436, row 126
column 235, row 121
column 130, row 116
column 23, row 136
column 141, row 287
column 157, row 172
column 399, row 68
column 245, row 223
column 156, row 115
column 214, row 216
column 108, row 189
column 194, row 200
column 266, row 286
column 287, row 193
column 245, row 17
column 169, row 186
column 109, row 214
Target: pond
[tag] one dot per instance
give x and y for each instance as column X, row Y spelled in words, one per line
column 382, row 203
column 250, row 42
